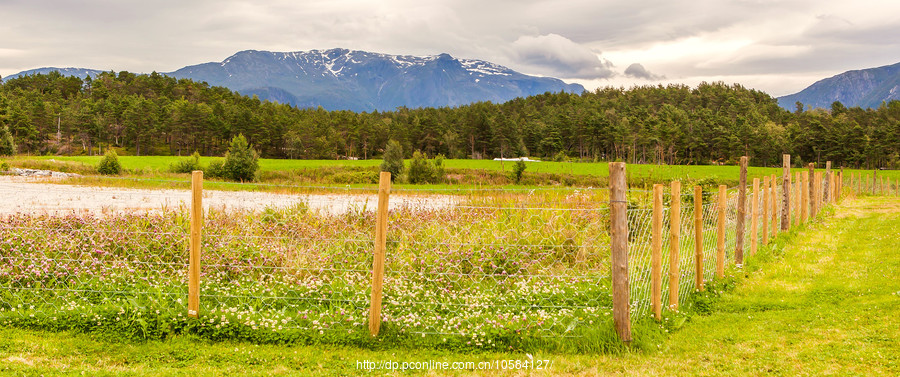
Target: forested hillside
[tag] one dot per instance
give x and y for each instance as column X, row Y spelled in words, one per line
column 712, row 123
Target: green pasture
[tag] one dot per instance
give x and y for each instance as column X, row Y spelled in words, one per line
column 638, row 173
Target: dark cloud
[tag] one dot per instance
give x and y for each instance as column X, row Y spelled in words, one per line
column 638, row 71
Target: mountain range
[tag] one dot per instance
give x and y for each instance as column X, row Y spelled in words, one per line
column 341, row 79
column 866, row 88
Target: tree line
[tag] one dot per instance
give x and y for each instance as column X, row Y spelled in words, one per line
column 712, row 123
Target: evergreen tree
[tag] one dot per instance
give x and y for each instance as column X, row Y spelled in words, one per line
column 241, row 161
column 109, row 165
column 7, row 144
column 393, row 159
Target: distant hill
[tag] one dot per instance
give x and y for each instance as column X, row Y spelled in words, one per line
column 77, row 72
column 339, row 79
column 866, row 88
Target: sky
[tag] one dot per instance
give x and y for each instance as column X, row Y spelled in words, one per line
column 779, row 47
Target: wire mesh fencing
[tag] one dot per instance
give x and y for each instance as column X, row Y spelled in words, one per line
column 66, row 265
column 474, row 267
column 501, row 265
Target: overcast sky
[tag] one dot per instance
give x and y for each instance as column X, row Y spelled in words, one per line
column 776, row 46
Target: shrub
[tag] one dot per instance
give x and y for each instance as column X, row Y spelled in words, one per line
column 423, row 170
column 393, row 159
column 187, row 165
column 7, row 144
column 439, row 174
column 4, row 166
column 216, row 169
column 241, row 162
column 561, row 157
column 420, row 171
column 109, row 165
column 518, row 171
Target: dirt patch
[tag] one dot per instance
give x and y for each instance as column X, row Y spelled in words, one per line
column 36, row 196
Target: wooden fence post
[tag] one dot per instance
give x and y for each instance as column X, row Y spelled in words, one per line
column 804, row 197
column 818, row 195
column 874, row 179
column 384, row 192
column 827, row 184
column 618, row 204
column 774, row 205
column 785, row 201
column 797, row 182
column 698, row 238
column 812, row 190
column 840, row 186
column 674, row 244
column 656, row 251
column 834, row 187
column 754, row 218
column 720, row 231
column 741, row 213
column 196, row 232
column 765, row 210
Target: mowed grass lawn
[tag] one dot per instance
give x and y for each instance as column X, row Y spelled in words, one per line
column 821, row 301
column 650, row 172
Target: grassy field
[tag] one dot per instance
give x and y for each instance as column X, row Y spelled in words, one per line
column 821, row 300
column 476, row 172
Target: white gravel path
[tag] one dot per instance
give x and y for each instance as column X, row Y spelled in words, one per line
column 35, row 196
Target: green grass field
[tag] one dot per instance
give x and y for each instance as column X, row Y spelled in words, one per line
column 822, row 300
column 278, row 170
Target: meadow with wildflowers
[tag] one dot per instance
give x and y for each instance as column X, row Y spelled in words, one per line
column 791, row 311
column 518, row 270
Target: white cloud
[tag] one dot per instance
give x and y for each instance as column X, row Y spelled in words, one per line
column 752, row 40
column 561, row 56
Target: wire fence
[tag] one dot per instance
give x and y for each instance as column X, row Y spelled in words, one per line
column 477, row 267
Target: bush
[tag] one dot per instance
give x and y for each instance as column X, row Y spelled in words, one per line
column 187, row 165
column 439, row 168
column 7, row 144
column 241, row 162
column 109, row 165
column 393, row 159
column 216, row 169
column 4, row 166
column 420, row 171
column 561, row 157
column 518, row 171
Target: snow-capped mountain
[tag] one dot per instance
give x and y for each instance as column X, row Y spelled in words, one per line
column 339, row 79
